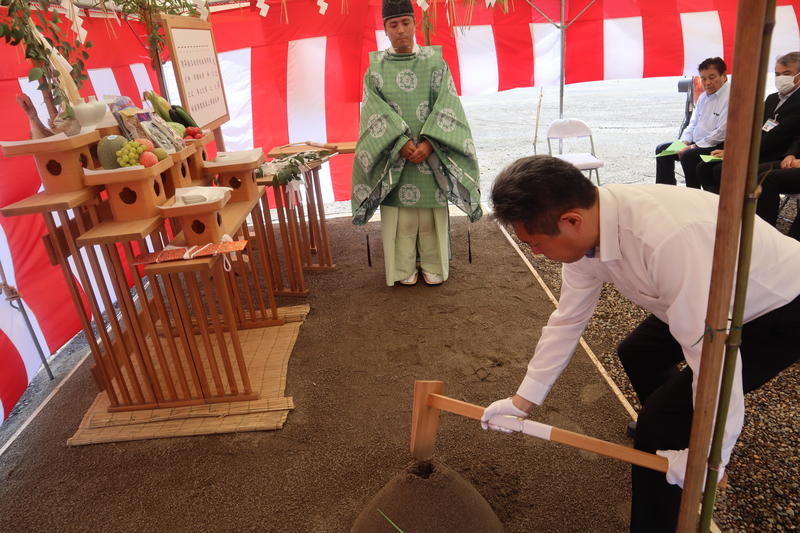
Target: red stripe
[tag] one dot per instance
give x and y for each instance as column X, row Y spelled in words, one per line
column 514, row 47
column 444, row 37
column 614, row 9
column 342, row 95
column 663, row 41
column 584, row 57
column 270, row 121
column 13, row 378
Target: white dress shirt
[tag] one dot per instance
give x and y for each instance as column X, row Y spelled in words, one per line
column 656, row 247
column 707, row 125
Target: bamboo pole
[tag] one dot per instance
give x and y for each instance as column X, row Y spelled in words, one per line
column 741, row 155
column 742, row 278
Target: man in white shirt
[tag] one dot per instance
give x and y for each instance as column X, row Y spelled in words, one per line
column 655, row 244
column 706, row 129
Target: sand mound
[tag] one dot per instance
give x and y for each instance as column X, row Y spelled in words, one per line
column 427, row 497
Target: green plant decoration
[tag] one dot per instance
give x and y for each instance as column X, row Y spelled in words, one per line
column 35, row 25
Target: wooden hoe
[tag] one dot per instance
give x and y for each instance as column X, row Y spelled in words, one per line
column 428, row 401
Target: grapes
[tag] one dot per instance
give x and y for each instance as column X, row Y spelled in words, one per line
column 128, row 155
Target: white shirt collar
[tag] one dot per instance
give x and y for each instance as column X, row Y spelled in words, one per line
column 609, row 227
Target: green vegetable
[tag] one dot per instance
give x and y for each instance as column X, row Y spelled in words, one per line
column 107, row 150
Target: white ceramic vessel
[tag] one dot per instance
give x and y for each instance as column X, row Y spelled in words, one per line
column 89, row 113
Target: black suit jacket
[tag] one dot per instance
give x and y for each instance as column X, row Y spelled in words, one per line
column 777, row 143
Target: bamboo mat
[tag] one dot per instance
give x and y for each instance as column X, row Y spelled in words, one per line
column 267, row 352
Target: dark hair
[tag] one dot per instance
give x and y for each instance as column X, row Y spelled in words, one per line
column 792, row 60
column 537, row 190
column 713, row 62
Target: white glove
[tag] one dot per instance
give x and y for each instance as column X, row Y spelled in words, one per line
column 677, row 466
column 501, row 407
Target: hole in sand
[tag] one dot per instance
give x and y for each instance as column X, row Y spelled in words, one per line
column 423, row 469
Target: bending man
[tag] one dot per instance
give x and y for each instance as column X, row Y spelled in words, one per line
column 655, row 244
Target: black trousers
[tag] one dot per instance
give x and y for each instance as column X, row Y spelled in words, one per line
column 774, row 182
column 665, row 165
column 709, row 175
column 649, row 355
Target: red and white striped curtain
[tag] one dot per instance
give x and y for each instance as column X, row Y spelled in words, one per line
column 301, row 81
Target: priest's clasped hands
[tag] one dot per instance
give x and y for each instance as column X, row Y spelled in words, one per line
column 416, row 153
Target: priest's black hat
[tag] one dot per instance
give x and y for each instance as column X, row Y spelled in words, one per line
column 397, row 8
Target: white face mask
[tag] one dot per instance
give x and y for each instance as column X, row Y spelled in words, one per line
column 784, row 84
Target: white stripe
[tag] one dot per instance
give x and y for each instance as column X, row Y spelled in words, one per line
column 477, row 60
column 2, row 412
column 785, row 35
column 623, row 48
column 14, row 327
column 382, row 40
column 235, row 68
column 546, row 54
column 141, row 78
column 172, row 95
column 305, row 95
column 36, row 96
column 702, row 38
column 104, row 82
column 8, row 269
column 92, row 278
column 6, row 260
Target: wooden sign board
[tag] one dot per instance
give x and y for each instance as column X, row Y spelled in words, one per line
column 194, row 58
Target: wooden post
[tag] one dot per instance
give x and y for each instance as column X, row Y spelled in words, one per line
column 424, row 420
column 741, row 157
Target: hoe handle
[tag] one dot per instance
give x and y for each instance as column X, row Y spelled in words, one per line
column 544, row 431
column 428, row 402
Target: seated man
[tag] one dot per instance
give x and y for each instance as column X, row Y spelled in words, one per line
column 776, row 178
column 781, row 122
column 706, row 129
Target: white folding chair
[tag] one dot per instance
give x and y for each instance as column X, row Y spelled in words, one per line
column 566, row 128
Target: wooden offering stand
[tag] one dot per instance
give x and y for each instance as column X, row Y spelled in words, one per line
column 315, row 250
column 237, row 171
column 134, row 193
column 162, row 335
column 199, row 156
column 288, row 227
column 179, row 174
column 202, row 222
column 60, row 161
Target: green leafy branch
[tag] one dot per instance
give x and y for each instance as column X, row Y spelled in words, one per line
column 36, row 26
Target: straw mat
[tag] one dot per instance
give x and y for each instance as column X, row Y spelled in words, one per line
column 266, row 351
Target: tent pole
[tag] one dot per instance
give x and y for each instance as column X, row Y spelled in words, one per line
column 12, row 295
column 741, row 158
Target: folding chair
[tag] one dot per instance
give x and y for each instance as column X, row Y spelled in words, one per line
column 567, row 128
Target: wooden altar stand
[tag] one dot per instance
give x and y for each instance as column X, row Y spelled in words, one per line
column 315, row 250
column 175, row 339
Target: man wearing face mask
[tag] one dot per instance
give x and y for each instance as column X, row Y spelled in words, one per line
column 414, row 154
column 706, row 129
column 781, row 124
